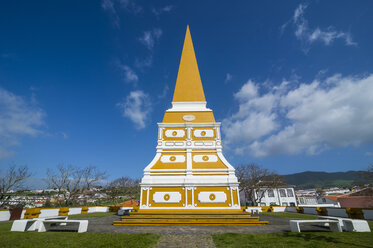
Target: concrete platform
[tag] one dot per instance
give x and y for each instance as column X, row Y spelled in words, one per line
column 276, row 224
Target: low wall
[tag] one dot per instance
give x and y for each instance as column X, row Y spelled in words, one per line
column 98, row 209
column 338, row 212
column 368, row 214
column 52, row 212
column 4, row 214
column 355, row 213
column 279, row 209
column 48, row 212
column 73, row 211
column 249, row 209
column 311, row 210
column 291, row 209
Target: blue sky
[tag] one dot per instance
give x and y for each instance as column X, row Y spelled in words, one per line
column 85, row 82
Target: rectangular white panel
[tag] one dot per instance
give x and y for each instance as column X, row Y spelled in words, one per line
column 177, row 133
column 212, row 197
column 167, row 197
column 203, row 158
column 173, row 159
column 203, row 133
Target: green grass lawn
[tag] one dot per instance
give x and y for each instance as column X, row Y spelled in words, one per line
column 70, row 239
column 89, row 216
column 307, row 239
column 294, row 216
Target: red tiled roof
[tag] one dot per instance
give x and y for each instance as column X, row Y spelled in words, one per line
column 356, row 202
column 130, row 203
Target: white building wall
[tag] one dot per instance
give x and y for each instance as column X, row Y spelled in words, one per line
column 277, row 198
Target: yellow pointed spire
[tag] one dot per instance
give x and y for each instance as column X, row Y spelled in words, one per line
column 188, row 83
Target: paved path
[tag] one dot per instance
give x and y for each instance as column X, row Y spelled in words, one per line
column 186, row 241
column 276, row 224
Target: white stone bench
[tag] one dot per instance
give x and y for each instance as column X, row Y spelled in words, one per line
column 45, row 224
column 124, row 211
column 349, row 225
column 333, row 224
column 39, row 220
column 23, row 225
column 353, row 225
column 31, row 224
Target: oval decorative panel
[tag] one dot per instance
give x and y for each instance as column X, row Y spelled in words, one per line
column 177, row 133
column 203, row 133
column 173, row 159
column 205, row 158
column 166, row 197
column 212, row 197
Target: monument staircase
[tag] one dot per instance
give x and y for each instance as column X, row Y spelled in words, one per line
column 196, row 217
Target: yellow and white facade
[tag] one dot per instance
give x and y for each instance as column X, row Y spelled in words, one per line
column 189, row 171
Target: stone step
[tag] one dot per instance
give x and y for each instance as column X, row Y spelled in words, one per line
column 196, row 212
column 204, row 216
column 188, row 222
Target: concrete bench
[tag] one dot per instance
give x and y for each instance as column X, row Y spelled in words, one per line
column 124, row 211
column 23, row 225
column 350, row 225
column 45, row 224
column 39, row 220
column 353, row 225
column 31, row 224
column 333, row 224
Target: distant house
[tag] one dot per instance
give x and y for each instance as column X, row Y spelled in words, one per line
column 329, row 199
column 359, row 199
column 336, row 191
column 282, row 195
column 307, row 200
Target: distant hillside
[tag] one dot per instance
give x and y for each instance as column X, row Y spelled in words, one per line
column 316, row 179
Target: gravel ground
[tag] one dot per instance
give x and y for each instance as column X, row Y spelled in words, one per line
column 186, row 241
column 276, row 224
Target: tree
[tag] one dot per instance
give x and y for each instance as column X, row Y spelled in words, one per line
column 124, row 186
column 72, row 182
column 255, row 181
column 12, row 179
column 367, row 176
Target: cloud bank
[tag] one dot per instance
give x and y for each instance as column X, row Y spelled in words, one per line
column 136, row 107
column 308, row 117
column 308, row 36
column 19, row 117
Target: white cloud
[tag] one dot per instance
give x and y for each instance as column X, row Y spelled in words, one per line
column 149, row 38
column 129, row 75
column 164, row 92
column 136, row 107
column 146, row 62
column 158, row 11
column 108, row 6
column 308, row 36
column 368, row 154
column 228, row 77
column 112, row 7
column 19, row 117
column 335, row 112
